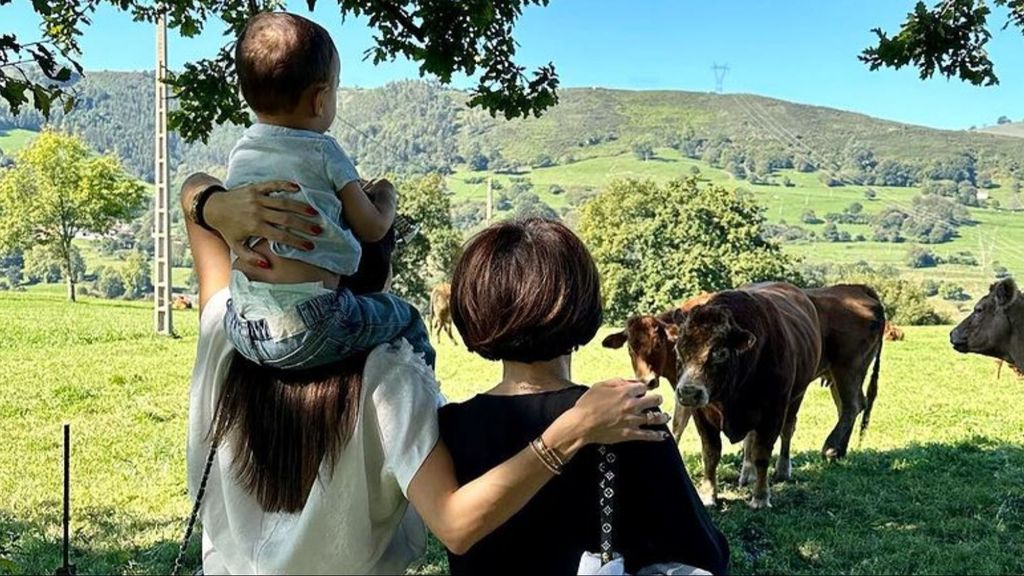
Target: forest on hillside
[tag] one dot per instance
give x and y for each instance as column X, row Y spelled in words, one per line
column 419, row 127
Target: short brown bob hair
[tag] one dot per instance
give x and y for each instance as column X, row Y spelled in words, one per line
column 526, row 291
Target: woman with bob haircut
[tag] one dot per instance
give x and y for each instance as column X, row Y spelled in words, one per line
column 527, row 293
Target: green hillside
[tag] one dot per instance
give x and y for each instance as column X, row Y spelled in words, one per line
column 1014, row 129
column 794, row 158
column 11, row 140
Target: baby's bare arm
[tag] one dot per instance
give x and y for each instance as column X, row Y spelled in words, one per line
column 371, row 212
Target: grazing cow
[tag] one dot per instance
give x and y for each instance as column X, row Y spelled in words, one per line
column 652, row 341
column 745, row 359
column 851, row 320
column 440, row 310
column 996, row 326
column 181, row 302
column 893, row 333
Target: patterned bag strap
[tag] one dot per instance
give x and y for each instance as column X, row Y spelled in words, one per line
column 607, row 470
column 194, row 516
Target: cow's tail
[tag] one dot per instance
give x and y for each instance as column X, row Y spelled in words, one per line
column 873, row 383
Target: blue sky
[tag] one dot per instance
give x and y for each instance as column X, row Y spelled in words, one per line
column 799, row 50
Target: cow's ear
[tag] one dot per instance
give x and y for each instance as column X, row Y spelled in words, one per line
column 615, row 340
column 1005, row 292
column 678, row 317
column 742, row 340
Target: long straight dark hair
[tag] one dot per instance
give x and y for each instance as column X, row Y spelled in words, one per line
column 286, row 424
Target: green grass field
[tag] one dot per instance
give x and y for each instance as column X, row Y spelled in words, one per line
column 937, row 486
column 12, row 140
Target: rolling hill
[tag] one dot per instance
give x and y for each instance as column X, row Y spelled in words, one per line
column 1013, row 129
column 794, row 157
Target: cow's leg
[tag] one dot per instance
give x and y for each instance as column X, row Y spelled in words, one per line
column 448, row 329
column 849, row 399
column 747, row 469
column 783, row 466
column 711, row 453
column 680, row 418
column 762, row 454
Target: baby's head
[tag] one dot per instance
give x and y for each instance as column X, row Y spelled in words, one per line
column 288, row 69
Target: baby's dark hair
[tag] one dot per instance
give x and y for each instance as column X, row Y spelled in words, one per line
column 278, row 57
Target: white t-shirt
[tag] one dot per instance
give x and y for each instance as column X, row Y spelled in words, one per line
column 357, row 522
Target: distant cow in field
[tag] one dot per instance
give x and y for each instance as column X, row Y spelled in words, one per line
column 440, row 310
column 996, row 326
column 851, row 319
column 893, row 333
column 181, row 302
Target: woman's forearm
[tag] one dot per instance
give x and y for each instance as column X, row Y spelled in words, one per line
column 211, row 260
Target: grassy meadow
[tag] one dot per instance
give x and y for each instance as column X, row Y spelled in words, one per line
column 936, row 486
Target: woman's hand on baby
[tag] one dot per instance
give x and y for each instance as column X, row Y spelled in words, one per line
column 617, row 410
column 250, row 210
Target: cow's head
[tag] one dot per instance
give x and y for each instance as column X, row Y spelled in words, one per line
column 708, row 352
column 989, row 328
column 651, row 343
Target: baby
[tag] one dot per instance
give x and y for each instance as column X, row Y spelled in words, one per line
column 288, row 70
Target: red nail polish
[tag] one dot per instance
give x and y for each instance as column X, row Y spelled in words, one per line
column 262, row 264
column 311, row 211
column 308, row 245
column 316, row 230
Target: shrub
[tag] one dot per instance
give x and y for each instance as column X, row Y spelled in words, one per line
column 555, row 190
column 110, row 284
column 953, row 292
column 1000, row 271
column 870, row 194
column 930, row 287
column 919, row 257
column 809, row 217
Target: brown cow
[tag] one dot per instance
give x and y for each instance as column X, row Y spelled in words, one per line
column 745, row 359
column 996, row 326
column 440, row 310
column 893, row 333
column 852, row 317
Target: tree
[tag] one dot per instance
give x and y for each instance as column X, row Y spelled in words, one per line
column 529, row 205
column 445, row 39
column 1003, row 120
column 950, row 38
column 44, row 264
column 643, row 149
column 657, row 244
column 136, row 275
column 921, row 258
column 59, row 189
column 429, row 257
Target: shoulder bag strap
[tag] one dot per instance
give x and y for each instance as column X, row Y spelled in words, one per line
column 607, row 470
column 191, row 524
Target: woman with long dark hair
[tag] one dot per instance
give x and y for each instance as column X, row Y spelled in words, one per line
column 313, row 472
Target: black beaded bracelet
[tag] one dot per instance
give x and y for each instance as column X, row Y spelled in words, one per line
column 199, row 203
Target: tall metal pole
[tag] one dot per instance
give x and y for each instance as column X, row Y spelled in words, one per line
column 490, row 201
column 161, row 176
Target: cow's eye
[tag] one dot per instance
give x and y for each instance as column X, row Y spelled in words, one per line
column 720, row 355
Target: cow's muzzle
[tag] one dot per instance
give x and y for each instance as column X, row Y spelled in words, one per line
column 692, row 396
column 959, row 341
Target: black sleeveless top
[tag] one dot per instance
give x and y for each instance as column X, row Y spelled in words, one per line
column 658, row 514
